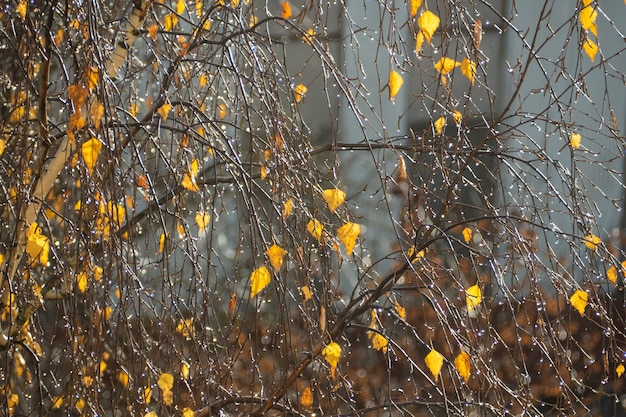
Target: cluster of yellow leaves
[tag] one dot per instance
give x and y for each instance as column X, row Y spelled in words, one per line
column 331, row 354
column 189, row 178
column 379, row 342
column 395, row 84
column 166, row 383
column 611, row 273
column 434, row 362
column 415, row 256
column 579, row 301
column 185, row 327
column 37, row 245
column 446, row 65
column 428, row 23
column 109, row 214
column 587, row 17
column 82, row 278
column 309, row 37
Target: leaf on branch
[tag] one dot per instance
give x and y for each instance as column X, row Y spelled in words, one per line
column 315, row 228
column 81, row 282
column 395, row 83
column 348, row 234
column 90, row 151
column 413, row 255
column 458, row 117
column 574, row 140
column 591, row 48
column 334, row 198
column 434, row 362
column 276, row 254
column 259, row 279
column 180, row 7
column 579, row 301
column 202, row 220
column 3, row 146
column 37, row 245
column 428, row 23
column 166, row 383
column 92, row 76
column 299, row 92
column 331, row 354
column 306, row 292
column 306, row 398
column 414, row 5
column 468, row 69
column 77, row 93
column 440, row 124
column 619, row 370
column 592, row 241
column 587, row 17
column 164, row 111
column 21, row 9
column 189, row 178
column 285, row 10
column 287, row 208
column 467, row 234
column 445, row 65
column 400, row 310
column 473, row 297
column 419, row 41
column 462, row 365
column 309, row 36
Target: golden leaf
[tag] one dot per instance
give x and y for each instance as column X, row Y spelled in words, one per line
column 348, row 234
column 188, row 412
column 306, row 398
column 379, row 342
column 331, row 354
column 180, row 6
column 467, row 234
column 287, row 208
column 90, row 151
column 285, row 10
column 299, row 92
column 611, row 274
column 400, row 310
column 81, row 281
column 151, row 414
column 315, row 228
column 37, row 245
column 395, row 83
column 152, row 31
column 473, row 297
column 164, row 110
column 428, row 23
column 419, row 41
column 57, row 403
column 97, row 273
column 590, row 47
column 579, row 301
column 189, row 183
column 434, row 362
column 334, row 198
column 77, row 93
column 184, row 371
column 58, row 38
column 587, row 17
column 306, row 292
column 21, row 9
column 462, row 365
column 3, row 146
column 309, row 36
column 440, row 124
column 445, row 65
column 623, row 265
column 96, row 113
column 169, row 21
column 275, row 253
column 92, row 75
column 458, row 117
column 574, row 140
column 222, row 111
column 478, row 33
column 185, row 327
column 202, row 220
column 123, row 378
column 468, row 69
column 414, row 5
column 161, row 242
column 166, row 382
column 413, row 255
column 619, row 370
column 259, row 279
column 592, row 241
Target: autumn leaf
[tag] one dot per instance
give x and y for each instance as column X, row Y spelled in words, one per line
column 185, row 327
column 37, row 245
column 90, row 151
column 348, row 234
column 413, row 255
column 164, row 111
column 92, row 76
column 299, row 92
column 591, row 48
column 287, row 208
column 309, row 36
column 468, row 69
column 285, row 10
column 579, row 301
column 445, row 65
column 81, row 282
column 306, row 398
column 434, row 362
column 180, row 7
column 419, row 41
column 188, row 412
column 619, row 370
column 611, row 274
column 473, row 297
column 123, row 378
column 428, row 23
column 306, row 292
column 467, row 234
column 395, row 83
column 152, row 31
column 202, row 220
column 189, row 178
column 21, row 9
column 96, row 113
column 3, row 146
column 462, row 365
column 414, row 5
column 379, row 342
column 331, row 354
column 276, row 254
column 592, row 241
column 334, row 198
column 259, row 279
column 315, row 228
column 587, row 17
column 440, row 124
column 77, row 93
column 574, row 140
column 161, row 242
column 400, row 310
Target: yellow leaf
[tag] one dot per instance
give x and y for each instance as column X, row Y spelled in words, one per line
column 166, row 382
column 400, row 310
column 579, row 301
column 445, row 65
column 306, row 293
column 57, row 403
column 185, row 327
column 181, row 230
column 80, row 405
column 81, row 281
column 309, row 36
column 58, row 38
column 287, row 208
column 189, row 183
column 170, row 21
column 458, row 117
column 468, row 69
column 414, row 5
column 180, row 6
column 413, row 256
column 275, row 253
column 151, row 414
column 123, row 378
column 259, row 279
column 315, row 228
column 379, row 342
column 285, row 10
column 434, row 362
column 611, row 274
column 467, row 234
column 462, row 365
column 147, row 395
column 96, row 113
column 299, row 92
column 440, row 124
column 202, row 220
column 21, row 9
column 188, row 412
column 161, row 242
column 592, row 241
column 395, row 83
column 574, row 140
column 623, row 265
column 306, row 398
column 164, row 110
column 348, row 234
column 620, row 368
column 37, row 245
column 473, row 297
column 591, row 49
column 3, row 146
column 222, row 111
column 587, row 16
column 92, row 75
column 331, row 354
column 428, row 23
column 334, row 198
column 419, row 41
column 184, row 370
column 152, row 31
column 77, row 93
column 90, row 151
